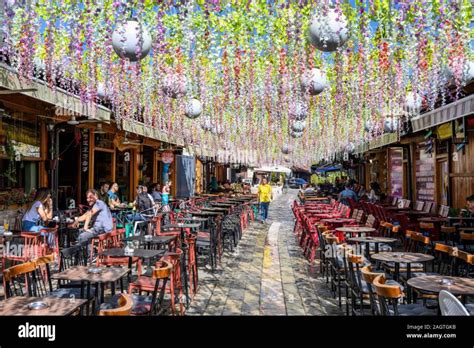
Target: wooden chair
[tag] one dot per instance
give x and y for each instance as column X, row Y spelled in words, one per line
column 357, row 288
column 419, row 205
column 368, row 275
column 125, row 304
column 389, row 297
column 160, row 280
column 448, row 232
column 466, row 239
column 18, row 280
column 427, row 207
column 443, row 261
column 463, row 263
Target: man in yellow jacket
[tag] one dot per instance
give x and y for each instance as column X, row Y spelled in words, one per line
column 265, row 196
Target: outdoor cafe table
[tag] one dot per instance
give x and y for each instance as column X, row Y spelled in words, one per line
column 402, row 257
column 192, row 218
column 437, row 221
column 223, row 205
column 461, row 219
column 18, row 305
column 375, row 240
column 141, row 253
column 207, row 213
column 182, row 227
column 339, row 220
column 435, row 283
column 82, row 274
column 215, row 209
column 163, row 240
column 316, row 199
column 353, row 230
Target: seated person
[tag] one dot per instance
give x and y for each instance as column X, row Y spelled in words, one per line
column 39, row 213
column 227, row 187
column 97, row 220
column 347, row 193
column 143, row 205
column 114, row 200
column 155, row 192
column 104, row 192
column 468, row 212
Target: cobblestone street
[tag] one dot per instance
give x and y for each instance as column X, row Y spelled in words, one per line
column 266, row 274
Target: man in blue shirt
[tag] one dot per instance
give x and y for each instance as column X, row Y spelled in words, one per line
column 97, row 220
column 114, row 200
column 347, row 193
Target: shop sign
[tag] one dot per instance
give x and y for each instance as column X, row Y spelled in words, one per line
column 85, row 151
column 25, row 150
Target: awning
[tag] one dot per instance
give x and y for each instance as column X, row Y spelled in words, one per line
column 385, row 139
column 65, row 102
column 150, row 132
column 328, row 169
column 459, row 108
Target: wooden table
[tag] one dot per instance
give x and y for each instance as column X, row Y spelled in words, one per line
column 208, row 213
column 437, row 221
column 368, row 240
column 182, row 227
column 402, row 257
column 356, row 230
column 225, row 210
column 164, row 240
column 81, row 274
column 433, row 283
column 192, row 218
column 141, row 253
column 18, row 305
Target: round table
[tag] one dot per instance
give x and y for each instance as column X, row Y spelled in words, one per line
column 342, row 231
column 437, row 222
column 368, row 240
column 402, row 257
column 460, row 286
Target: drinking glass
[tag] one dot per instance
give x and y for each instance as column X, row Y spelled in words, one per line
column 6, row 225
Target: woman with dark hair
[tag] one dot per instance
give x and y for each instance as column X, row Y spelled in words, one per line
column 374, row 194
column 39, row 212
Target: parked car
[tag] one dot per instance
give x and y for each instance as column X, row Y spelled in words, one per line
column 296, row 182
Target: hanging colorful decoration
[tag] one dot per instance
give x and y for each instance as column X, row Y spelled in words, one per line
column 258, row 68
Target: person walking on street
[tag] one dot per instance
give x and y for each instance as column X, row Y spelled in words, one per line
column 264, row 198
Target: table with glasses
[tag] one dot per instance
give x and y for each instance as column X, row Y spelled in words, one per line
column 94, row 275
column 151, row 240
column 137, row 252
column 19, row 305
column 458, row 286
column 374, row 240
column 402, row 257
column 182, row 227
column 355, row 230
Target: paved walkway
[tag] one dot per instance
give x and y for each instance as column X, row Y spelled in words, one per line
column 266, row 274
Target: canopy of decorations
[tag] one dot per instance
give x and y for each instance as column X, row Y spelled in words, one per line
column 270, row 81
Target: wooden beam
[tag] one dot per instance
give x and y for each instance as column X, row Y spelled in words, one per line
column 461, row 175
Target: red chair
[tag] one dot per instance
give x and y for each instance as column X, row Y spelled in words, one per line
column 173, row 287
